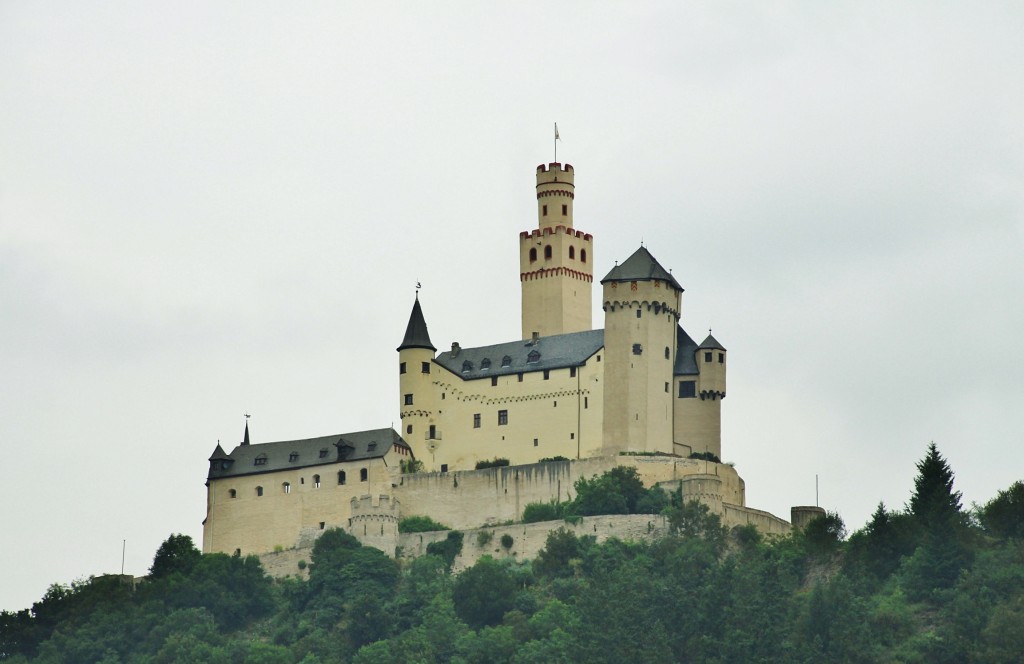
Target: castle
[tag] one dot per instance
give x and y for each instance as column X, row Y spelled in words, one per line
column 638, row 392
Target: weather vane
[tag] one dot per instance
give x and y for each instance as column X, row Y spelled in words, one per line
column 418, row 287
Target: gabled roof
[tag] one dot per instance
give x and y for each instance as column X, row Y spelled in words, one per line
column 416, row 335
column 641, row 266
column 711, row 342
column 357, row 446
column 554, row 352
column 686, row 354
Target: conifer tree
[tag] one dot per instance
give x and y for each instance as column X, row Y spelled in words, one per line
column 934, row 504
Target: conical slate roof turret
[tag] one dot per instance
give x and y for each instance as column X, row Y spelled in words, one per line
column 641, row 266
column 710, row 343
column 218, row 453
column 416, row 335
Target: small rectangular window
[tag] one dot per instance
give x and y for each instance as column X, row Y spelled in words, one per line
column 408, row 429
column 494, row 381
column 408, row 399
column 425, row 367
column 520, row 377
column 572, row 436
column 666, row 388
column 598, row 358
column 565, row 210
column 401, row 368
column 323, row 524
column 535, row 442
column 556, row 405
column 687, row 389
column 444, row 468
column 547, row 374
column 502, row 417
column 572, row 372
column 476, row 420
column 721, row 358
column 707, row 356
column 544, row 210
column 364, row 474
column 638, row 313
column 638, row 349
column 586, row 402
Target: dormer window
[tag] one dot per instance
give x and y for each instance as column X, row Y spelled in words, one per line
column 371, row 446
column 293, row 457
column 323, row 452
column 485, row 363
column 261, row 460
column 533, row 357
column 506, row 361
column 467, row 366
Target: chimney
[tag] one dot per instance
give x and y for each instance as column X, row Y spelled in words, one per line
column 536, row 339
column 455, row 349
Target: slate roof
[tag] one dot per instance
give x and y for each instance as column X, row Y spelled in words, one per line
column 416, row 335
column 356, row 446
column 686, row 354
column 555, row 352
column 641, row 266
column 711, row 342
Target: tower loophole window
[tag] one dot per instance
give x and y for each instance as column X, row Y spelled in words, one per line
column 565, row 210
column 572, row 253
column 583, row 255
column 533, row 255
column 547, row 252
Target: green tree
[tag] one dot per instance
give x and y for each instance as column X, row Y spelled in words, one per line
column 177, row 554
column 447, row 549
column 1003, row 516
column 934, row 504
column 483, row 593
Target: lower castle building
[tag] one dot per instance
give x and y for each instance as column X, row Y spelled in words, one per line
column 561, row 391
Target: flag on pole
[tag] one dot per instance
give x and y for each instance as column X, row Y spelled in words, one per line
column 557, row 137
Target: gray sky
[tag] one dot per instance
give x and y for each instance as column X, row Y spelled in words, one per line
column 208, row 209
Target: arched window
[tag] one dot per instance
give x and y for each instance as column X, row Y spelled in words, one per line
column 341, row 477
column 316, row 481
column 506, row 361
column 232, row 493
column 572, row 253
column 547, row 252
column 533, row 254
column 259, row 491
column 286, row 487
column 467, row 366
column 485, row 363
column 583, row 255
column 533, row 357
column 364, row 474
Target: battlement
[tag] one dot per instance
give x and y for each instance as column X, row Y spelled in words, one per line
column 572, row 232
column 555, row 166
column 386, row 507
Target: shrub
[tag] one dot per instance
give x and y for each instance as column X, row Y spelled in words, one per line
column 411, row 466
column 554, row 458
column 507, row 541
column 705, row 456
column 491, row 463
column 550, row 511
column 302, row 564
column 483, row 538
column 448, row 548
column 420, row 524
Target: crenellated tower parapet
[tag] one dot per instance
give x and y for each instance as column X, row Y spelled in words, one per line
column 375, row 523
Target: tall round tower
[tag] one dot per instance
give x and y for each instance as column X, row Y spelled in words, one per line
column 641, row 305
column 416, row 394
column 555, row 260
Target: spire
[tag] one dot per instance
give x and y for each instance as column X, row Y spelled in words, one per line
column 641, row 266
column 245, row 440
column 218, row 453
column 416, row 335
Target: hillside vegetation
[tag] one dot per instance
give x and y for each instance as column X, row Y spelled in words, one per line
column 930, row 583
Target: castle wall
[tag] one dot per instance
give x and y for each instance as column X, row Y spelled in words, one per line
column 468, row 499
column 697, row 422
column 557, row 416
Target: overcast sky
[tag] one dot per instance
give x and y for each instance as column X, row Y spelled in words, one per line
column 214, row 208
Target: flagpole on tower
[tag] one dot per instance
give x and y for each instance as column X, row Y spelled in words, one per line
column 557, row 138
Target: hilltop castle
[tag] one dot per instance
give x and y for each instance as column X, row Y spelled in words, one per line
column 562, row 390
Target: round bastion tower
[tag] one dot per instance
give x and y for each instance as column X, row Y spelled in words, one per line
column 416, row 398
column 555, row 260
column 641, row 313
